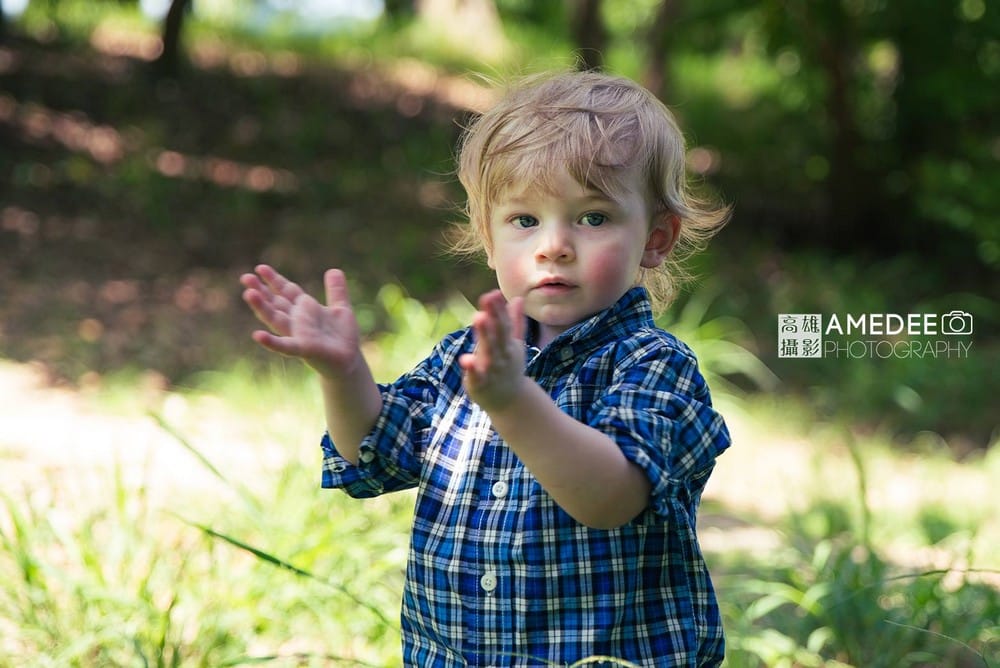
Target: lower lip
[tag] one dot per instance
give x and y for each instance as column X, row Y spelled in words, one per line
column 554, row 289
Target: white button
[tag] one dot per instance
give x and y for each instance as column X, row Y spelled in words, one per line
column 499, row 489
column 489, row 581
column 366, row 456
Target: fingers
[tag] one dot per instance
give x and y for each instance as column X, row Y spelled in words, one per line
column 482, row 356
column 270, row 309
column 336, row 288
column 279, row 344
column 491, row 325
column 493, row 371
column 277, row 283
column 272, row 297
column 496, row 325
column 271, row 286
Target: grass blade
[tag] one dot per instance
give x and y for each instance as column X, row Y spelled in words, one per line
column 942, row 636
column 285, row 565
column 205, row 461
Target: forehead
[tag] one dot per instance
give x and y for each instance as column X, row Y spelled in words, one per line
column 566, row 180
column 558, row 183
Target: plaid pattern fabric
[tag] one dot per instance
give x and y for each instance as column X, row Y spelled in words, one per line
column 498, row 574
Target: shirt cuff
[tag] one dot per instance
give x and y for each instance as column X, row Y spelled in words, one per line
column 338, row 473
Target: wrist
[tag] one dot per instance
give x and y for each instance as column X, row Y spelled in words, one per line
column 511, row 406
column 340, row 371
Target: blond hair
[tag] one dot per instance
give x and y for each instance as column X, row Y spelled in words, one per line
column 600, row 129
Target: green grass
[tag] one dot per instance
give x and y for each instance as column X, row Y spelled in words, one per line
column 862, row 579
column 122, row 581
column 258, row 566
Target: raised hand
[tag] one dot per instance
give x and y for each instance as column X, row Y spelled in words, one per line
column 494, row 371
column 325, row 337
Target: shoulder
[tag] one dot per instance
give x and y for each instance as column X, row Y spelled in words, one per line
column 454, row 344
column 650, row 343
column 652, row 356
column 447, row 351
column 441, row 361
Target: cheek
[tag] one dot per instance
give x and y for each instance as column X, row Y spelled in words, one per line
column 611, row 265
column 509, row 268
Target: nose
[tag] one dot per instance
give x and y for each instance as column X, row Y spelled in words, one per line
column 555, row 244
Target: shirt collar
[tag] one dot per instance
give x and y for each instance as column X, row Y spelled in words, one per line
column 619, row 321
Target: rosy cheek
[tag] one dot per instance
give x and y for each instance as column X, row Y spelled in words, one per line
column 605, row 267
column 510, row 273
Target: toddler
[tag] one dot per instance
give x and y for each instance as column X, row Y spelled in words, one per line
column 561, row 443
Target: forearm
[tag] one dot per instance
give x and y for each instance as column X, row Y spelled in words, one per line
column 352, row 403
column 583, row 469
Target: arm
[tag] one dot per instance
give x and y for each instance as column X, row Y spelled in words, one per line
column 583, row 469
column 327, row 339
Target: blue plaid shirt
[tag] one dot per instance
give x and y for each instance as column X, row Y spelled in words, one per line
column 498, row 574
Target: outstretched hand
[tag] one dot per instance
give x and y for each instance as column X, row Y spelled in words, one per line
column 494, row 371
column 325, row 337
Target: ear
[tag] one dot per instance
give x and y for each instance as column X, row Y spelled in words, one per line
column 663, row 232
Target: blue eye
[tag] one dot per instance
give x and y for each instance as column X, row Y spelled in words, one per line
column 593, row 219
column 524, row 222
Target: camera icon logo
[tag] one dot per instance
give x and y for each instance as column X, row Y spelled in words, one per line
column 956, row 323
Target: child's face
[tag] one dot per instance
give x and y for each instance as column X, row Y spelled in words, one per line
column 570, row 251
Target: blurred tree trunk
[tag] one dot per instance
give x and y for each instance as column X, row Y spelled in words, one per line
column 3, row 23
column 168, row 62
column 589, row 34
column 399, row 11
column 845, row 178
column 829, row 37
column 658, row 40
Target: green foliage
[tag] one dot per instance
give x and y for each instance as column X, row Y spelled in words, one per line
column 960, row 193
column 412, row 330
column 905, row 395
column 836, row 601
column 840, row 604
column 720, row 344
column 102, row 592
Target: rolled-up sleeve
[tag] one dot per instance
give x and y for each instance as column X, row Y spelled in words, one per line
column 390, row 456
column 387, row 457
column 658, row 410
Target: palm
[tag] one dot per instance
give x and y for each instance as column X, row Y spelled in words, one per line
column 325, row 337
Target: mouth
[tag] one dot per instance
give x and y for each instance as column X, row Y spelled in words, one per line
column 553, row 284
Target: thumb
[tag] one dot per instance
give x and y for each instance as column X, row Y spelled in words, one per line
column 335, row 283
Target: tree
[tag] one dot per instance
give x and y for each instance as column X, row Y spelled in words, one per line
column 907, row 98
column 656, row 76
column 399, row 11
column 589, row 34
column 167, row 63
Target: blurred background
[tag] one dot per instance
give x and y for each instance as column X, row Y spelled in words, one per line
column 151, row 151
